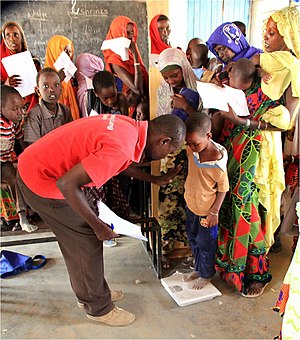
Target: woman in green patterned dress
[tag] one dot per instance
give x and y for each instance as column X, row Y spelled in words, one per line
column 255, row 168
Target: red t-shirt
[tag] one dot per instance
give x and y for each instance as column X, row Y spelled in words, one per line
column 105, row 145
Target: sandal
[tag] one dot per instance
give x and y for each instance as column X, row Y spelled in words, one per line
column 165, row 262
column 188, row 261
column 255, row 286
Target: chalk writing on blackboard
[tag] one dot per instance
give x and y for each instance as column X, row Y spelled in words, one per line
column 77, row 10
column 37, row 15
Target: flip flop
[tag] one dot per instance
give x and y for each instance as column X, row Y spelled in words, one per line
column 165, row 262
column 256, row 295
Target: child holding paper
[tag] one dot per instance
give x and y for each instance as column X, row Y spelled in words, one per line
column 56, row 45
column 205, row 188
column 11, row 130
column 48, row 114
column 13, row 41
column 251, row 208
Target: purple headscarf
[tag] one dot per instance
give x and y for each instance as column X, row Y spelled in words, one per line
column 87, row 65
column 229, row 35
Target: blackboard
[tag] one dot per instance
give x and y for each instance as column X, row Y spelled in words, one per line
column 85, row 23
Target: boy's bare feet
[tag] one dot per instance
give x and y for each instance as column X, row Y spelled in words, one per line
column 190, row 276
column 200, row 283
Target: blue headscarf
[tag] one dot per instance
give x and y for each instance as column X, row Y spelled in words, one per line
column 192, row 97
column 229, row 35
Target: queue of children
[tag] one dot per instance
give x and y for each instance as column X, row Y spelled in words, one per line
column 223, row 193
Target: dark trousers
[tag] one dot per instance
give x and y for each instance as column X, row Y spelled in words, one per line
column 203, row 242
column 81, row 249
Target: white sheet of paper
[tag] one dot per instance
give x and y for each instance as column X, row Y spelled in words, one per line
column 21, row 64
column 121, row 226
column 64, row 61
column 118, row 45
column 93, row 113
column 237, row 100
column 216, row 97
column 212, row 96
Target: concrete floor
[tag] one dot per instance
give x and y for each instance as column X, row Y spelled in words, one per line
column 41, row 305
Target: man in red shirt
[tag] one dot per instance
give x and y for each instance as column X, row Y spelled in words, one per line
column 89, row 151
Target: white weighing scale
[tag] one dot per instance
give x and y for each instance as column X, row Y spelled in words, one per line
column 182, row 292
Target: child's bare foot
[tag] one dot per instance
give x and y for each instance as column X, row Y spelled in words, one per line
column 24, row 223
column 190, row 276
column 200, row 283
column 28, row 227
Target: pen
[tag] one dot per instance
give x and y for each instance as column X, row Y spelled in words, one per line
column 112, row 226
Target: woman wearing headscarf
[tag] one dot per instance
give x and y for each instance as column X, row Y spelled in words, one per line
column 281, row 60
column 159, row 30
column 13, row 41
column 178, row 75
column 131, row 73
column 87, row 66
column 56, row 45
column 228, row 44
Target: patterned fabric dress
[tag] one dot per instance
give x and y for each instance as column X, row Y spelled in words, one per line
column 241, row 255
column 171, row 213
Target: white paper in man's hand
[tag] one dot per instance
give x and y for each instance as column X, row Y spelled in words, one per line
column 64, row 61
column 118, row 45
column 21, row 64
column 217, row 97
column 121, row 226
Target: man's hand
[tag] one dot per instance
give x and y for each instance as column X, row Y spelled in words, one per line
column 104, row 232
column 167, row 178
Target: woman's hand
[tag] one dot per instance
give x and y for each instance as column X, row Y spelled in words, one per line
column 13, row 81
column 179, row 102
column 62, row 74
column 133, row 49
column 232, row 116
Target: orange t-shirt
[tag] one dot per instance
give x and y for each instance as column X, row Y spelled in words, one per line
column 105, row 145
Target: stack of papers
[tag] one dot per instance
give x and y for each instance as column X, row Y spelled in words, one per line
column 64, row 61
column 217, row 97
column 182, row 292
column 118, row 45
column 22, row 65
